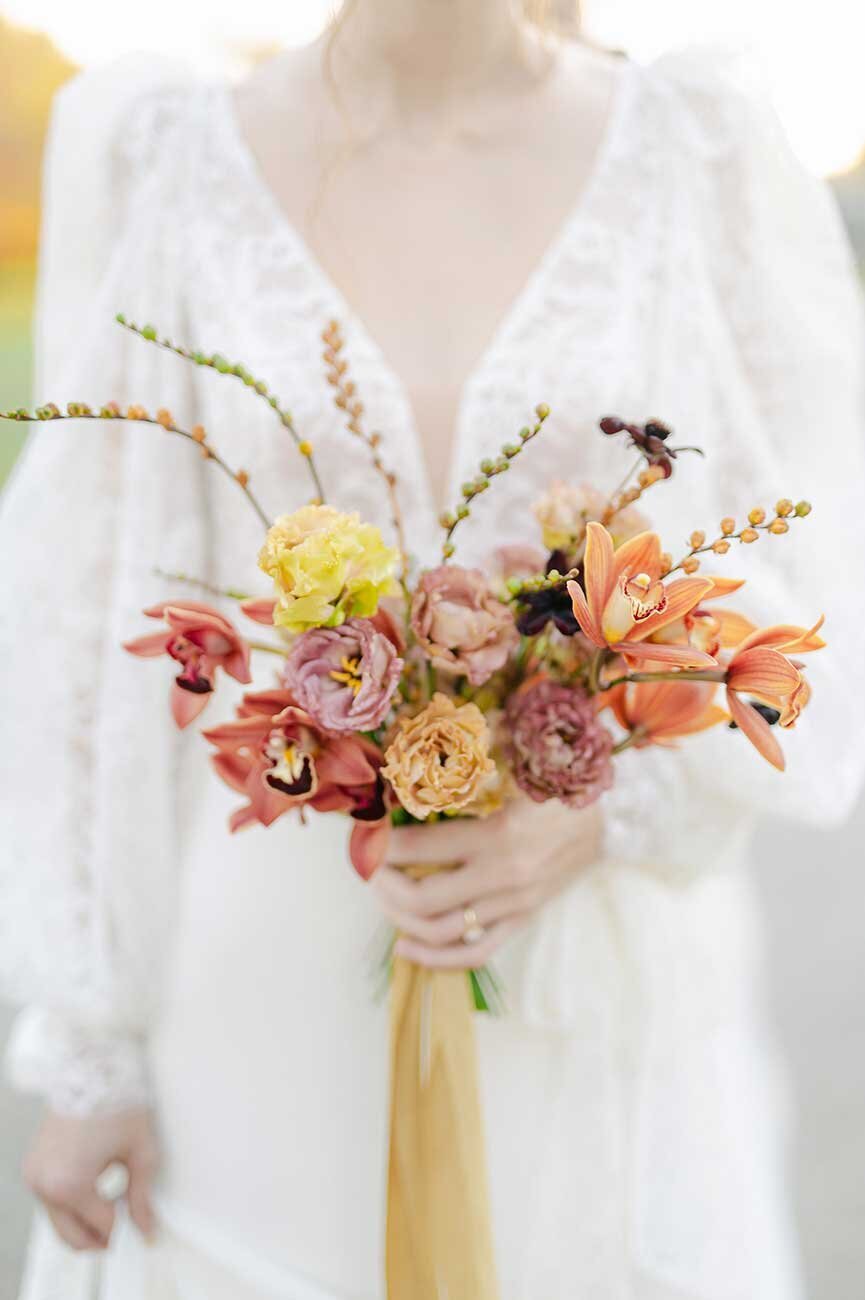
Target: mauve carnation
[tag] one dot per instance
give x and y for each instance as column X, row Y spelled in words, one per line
column 460, row 624
column 344, row 676
column 557, row 747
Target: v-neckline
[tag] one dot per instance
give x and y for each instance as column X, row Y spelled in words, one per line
column 511, row 319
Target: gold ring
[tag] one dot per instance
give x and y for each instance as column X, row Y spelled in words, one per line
column 472, row 928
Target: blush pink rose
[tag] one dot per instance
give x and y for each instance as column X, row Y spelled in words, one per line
column 460, row 624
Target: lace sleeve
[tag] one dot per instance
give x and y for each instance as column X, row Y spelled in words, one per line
column 790, row 337
column 86, row 877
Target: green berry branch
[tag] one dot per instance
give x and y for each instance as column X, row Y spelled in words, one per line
column 138, row 415
column 489, row 469
column 214, row 361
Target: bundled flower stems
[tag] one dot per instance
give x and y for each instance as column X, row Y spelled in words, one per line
column 406, row 696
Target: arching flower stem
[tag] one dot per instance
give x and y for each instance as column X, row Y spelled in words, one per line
column 138, row 415
column 214, row 361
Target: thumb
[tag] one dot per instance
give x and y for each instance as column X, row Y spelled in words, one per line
column 141, row 1164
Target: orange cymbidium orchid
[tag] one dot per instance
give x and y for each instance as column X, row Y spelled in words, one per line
column 760, row 667
column 626, row 601
column 710, row 630
column 659, row 713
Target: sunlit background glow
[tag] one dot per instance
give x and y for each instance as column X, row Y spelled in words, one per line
column 811, row 56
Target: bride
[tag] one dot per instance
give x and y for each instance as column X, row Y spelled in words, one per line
column 497, row 217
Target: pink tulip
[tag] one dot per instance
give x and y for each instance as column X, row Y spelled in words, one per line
column 345, row 676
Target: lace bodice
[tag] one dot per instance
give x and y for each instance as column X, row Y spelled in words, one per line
column 703, row 278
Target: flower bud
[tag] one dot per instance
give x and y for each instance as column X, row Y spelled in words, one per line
column 728, row 526
column 749, row 535
column 756, row 516
column 779, row 526
column 721, row 547
column 691, row 564
column 803, row 508
column 784, row 507
column 697, row 539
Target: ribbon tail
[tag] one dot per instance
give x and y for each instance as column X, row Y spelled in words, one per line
column 439, row 1239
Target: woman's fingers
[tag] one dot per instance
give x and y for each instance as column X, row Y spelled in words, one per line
column 464, row 887
column 141, row 1164
column 445, row 841
column 73, row 1229
column 444, row 892
column 449, row 928
column 458, row 956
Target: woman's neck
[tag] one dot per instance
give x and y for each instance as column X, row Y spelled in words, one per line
column 429, row 54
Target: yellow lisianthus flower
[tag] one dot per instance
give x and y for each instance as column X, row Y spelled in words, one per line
column 327, row 566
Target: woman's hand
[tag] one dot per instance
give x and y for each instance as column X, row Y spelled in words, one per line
column 511, row 864
column 64, row 1164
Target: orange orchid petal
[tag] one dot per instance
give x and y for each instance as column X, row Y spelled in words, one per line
column 666, row 707
column 723, row 587
column 598, row 570
column 734, row 628
column 757, row 730
column 640, row 554
column 616, row 699
column 713, row 716
column 583, row 614
column 682, row 596
column 642, row 653
column 787, row 637
column 762, row 670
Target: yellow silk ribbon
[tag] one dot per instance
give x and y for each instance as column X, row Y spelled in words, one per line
column 439, row 1239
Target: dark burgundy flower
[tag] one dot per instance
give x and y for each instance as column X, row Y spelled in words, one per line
column 550, row 604
column 557, row 746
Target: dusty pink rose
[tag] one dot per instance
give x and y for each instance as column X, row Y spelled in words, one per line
column 344, row 676
column 557, row 746
column 201, row 640
column 460, row 624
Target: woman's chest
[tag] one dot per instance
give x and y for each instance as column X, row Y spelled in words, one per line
column 603, row 323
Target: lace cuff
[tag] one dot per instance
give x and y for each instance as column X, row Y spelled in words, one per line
column 78, row 1070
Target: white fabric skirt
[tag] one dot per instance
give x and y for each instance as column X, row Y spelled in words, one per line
column 631, row 1109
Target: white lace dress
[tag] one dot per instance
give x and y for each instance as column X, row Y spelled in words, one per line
column 633, row 1107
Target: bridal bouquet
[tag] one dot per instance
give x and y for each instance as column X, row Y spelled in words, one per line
column 402, row 695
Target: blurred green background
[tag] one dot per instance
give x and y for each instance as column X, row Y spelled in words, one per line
column 33, row 69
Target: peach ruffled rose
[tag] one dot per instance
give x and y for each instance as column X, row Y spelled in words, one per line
column 439, row 761
column 565, row 509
